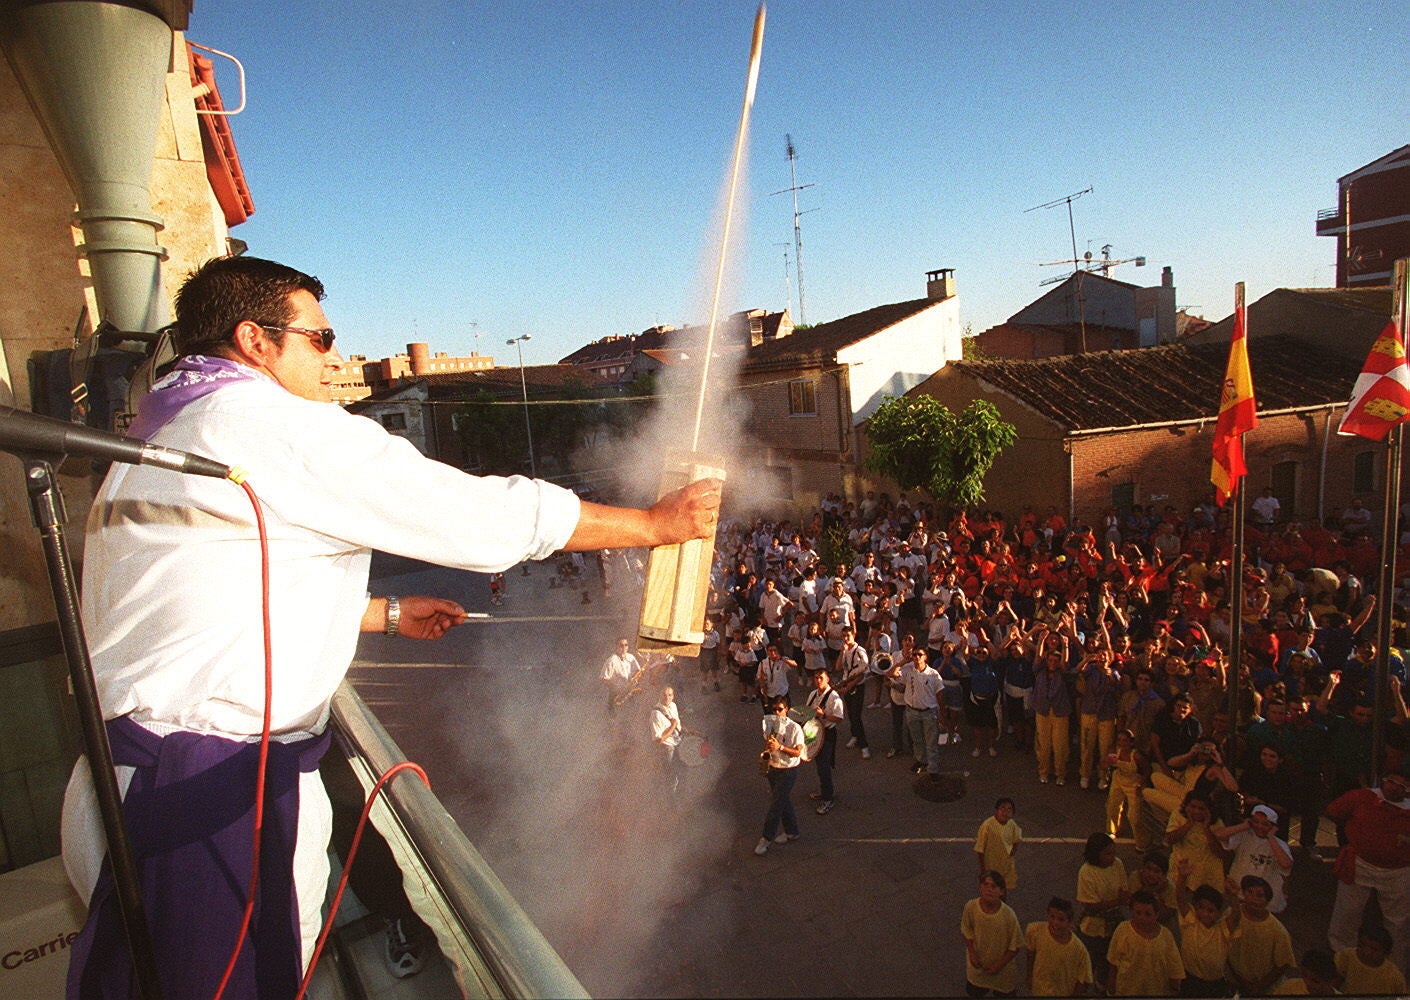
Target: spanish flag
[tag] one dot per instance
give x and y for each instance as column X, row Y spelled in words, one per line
column 1381, row 397
column 1237, row 412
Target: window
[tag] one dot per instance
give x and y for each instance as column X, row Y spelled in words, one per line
column 802, row 396
column 394, row 421
column 1363, row 472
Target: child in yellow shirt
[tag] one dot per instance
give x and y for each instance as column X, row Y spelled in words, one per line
column 1204, row 936
column 1144, row 959
column 1260, row 948
column 991, row 938
column 1367, row 968
column 1058, row 963
column 997, row 841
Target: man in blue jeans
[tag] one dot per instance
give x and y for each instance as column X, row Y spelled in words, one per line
column 827, row 706
column 783, row 743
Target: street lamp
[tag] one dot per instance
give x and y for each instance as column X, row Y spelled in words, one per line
column 524, row 387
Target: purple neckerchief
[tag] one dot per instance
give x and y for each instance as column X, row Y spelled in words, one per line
column 190, row 817
column 194, row 376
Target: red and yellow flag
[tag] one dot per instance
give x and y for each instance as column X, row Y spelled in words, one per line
column 1237, row 414
column 1381, row 397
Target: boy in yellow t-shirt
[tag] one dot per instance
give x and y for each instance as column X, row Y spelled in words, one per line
column 1204, row 936
column 1260, row 948
column 992, row 939
column 996, row 842
column 1367, row 968
column 1058, row 962
column 1144, row 959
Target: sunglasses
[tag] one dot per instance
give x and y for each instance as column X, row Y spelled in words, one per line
column 322, row 339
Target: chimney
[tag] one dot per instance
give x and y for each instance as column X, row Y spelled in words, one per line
column 420, row 355
column 1167, row 277
column 95, row 75
column 940, row 285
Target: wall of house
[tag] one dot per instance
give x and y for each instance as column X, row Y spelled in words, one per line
column 895, row 360
column 1033, row 471
column 804, row 436
column 1313, row 473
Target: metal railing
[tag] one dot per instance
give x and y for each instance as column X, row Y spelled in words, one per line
column 487, row 937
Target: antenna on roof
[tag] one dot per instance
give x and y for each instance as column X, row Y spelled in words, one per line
column 1076, row 261
column 797, row 229
column 787, row 281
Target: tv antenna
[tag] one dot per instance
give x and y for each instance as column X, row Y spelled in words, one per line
column 787, row 281
column 475, row 329
column 1076, row 261
column 1101, row 265
column 797, row 228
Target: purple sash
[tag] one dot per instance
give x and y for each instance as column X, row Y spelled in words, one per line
column 193, row 376
column 190, row 821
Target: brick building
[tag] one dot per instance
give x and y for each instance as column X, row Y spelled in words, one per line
column 1136, row 427
column 1371, row 223
column 360, row 377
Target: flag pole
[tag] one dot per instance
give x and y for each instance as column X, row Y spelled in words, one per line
column 1385, row 588
column 1236, row 588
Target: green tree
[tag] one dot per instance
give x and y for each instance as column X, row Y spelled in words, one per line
column 919, row 442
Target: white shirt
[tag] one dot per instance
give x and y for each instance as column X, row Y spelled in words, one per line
column 773, row 677
column 662, row 716
column 790, row 734
column 921, row 687
column 618, row 670
column 171, row 582
column 831, row 703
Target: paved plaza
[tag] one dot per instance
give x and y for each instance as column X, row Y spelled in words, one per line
column 646, row 896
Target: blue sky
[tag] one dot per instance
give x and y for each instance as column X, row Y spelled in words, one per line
column 554, row 168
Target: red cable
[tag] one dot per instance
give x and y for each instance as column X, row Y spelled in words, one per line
column 263, row 738
column 405, row 765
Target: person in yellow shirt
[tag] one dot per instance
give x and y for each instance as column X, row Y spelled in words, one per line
column 1125, row 770
column 997, row 841
column 1154, row 877
column 991, row 939
column 1204, row 936
column 1058, row 963
column 1316, row 978
column 1190, row 834
column 1144, row 960
column 1260, row 948
column 1101, row 892
column 1367, row 970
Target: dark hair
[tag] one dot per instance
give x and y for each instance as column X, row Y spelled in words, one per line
column 1320, row 962
column 1096, row 843
column 1144, row 898
column 1254, row 882
column 1002, row 801
column 1377, row 935
column 1058, row 903
column 1209, row 894
column 225, row 291
column 997, row 878
column 1158, row 858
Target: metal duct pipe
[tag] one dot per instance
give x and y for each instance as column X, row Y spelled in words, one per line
column 95, row 75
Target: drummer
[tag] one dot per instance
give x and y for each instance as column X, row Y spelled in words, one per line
column 772, row 676
column 827, row 708
column 666, row 733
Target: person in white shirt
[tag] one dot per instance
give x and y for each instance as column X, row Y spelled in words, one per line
column 1265, row 508
column 619, row 674
column 851, row 669
column 1258, row 851
column 773, row 606
column 921, row 686
column 773, row 675
column 827, row 707
column 783, row 743
column 666, row 733
column 839, row 613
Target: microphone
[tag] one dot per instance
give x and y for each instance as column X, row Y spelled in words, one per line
column 31, row 433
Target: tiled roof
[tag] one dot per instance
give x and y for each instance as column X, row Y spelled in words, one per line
column 1161, row 384
column 616, row 348
column 497, row 381
column 826, row 339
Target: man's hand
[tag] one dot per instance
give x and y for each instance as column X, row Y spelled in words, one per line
column 689, row 512
column 428, row 617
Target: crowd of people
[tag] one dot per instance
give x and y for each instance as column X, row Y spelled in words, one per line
column 1104, row 652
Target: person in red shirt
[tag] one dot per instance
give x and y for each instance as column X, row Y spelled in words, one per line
column 1376, row 857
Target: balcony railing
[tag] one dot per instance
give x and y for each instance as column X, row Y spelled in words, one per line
column 483, row 932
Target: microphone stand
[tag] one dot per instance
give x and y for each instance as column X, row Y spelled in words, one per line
column 46, row 505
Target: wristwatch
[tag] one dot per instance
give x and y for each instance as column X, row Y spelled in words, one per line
column 393, row 616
